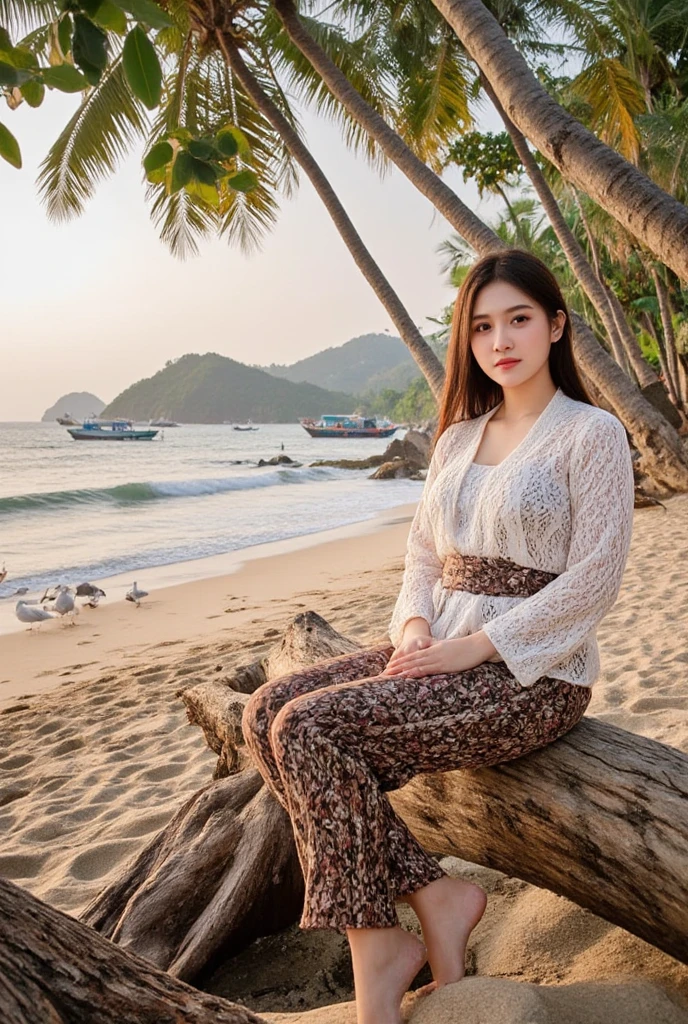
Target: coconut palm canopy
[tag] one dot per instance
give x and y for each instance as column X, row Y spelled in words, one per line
column 156, row 71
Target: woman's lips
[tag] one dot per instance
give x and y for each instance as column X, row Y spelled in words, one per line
column 508, row 363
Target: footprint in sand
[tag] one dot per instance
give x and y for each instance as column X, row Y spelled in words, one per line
column 11, row 764
column 162, row 772
column 53, row 726
column 23, row 865
column 658, row 704
column 68, row 746
column 99, row 860
column 45, row 832
column 143, row 826
column 8, row 796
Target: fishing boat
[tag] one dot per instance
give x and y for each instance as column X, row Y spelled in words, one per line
column 67, row 420
column 245, row 426
column 110, row 430
column 162, row 423
column 348, row 426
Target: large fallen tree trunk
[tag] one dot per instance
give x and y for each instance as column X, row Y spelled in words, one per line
column 601, row 817
column 54, row 970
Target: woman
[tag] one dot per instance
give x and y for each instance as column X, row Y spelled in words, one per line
column 516, row 552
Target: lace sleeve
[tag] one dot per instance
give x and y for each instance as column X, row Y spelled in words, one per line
column 422, row 566
column 542, row 630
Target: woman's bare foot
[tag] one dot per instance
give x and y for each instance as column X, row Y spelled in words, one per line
column 448, row 910
column 385, row 962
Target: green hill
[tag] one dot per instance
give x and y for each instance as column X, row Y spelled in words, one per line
column 212, row 388
column 352, row 366
column 77, row 403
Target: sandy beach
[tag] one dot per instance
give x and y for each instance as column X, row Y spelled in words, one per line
column 97, row 755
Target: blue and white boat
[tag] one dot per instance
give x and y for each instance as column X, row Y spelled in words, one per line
column 110, row 430
column 348, row 426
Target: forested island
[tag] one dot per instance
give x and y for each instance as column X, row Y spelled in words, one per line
column 211, row 388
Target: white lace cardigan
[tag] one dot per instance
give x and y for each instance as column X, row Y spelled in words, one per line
column 561, row 501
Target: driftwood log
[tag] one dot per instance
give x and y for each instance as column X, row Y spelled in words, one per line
column 217, row 706
column 600, row 817
column 224, row 871
column 54, row 970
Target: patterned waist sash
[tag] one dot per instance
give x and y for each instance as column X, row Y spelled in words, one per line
column 498, row 577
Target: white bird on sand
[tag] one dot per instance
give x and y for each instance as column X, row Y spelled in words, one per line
column 135, row 595
column 64, row 603
column 26, row 611
column 20, row 591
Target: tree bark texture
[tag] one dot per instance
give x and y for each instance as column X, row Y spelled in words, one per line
column 651, row 215
column 54, row 970
column 600, row 816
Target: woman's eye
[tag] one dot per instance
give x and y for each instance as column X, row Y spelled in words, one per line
column 521, row 318
column 479, row 326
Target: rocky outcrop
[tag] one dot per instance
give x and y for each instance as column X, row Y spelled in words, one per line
column 405, row 457
column 279, row 460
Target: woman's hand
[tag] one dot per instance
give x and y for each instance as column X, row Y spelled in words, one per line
column 406, row 648
column 437, row 657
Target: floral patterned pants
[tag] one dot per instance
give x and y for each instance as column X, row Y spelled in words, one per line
column 332, row 739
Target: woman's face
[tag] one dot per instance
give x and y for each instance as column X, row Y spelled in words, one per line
column 508, row 324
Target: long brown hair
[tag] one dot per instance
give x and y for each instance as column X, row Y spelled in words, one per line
column 468, row 391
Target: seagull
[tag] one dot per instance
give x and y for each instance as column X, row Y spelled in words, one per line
column 50, row 593
column 25, row 612
column 64, row 603
column 3, row 573
column 89, row 590
column 20, row 591
column 135, row 595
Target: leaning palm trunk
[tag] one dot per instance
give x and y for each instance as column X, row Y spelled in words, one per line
column 621, row 337
column 662, row 456
column 443, row 198
column 649, row 213
column 667, row 327
column 661, row 351
column 426, row 359
column 660, row 446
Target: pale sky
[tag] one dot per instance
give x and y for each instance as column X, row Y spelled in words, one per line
column 97, row 303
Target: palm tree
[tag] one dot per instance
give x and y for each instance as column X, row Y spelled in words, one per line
column 596, row 363
column 199, row 97
column 421, row 351
column 648, row 213
column 622, row 339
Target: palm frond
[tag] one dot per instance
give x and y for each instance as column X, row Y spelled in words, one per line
column 198, row 97
column 22, row 16
column 355, row 57
column 665, row 146
column 91, row 145
column 183, row 220
column 434, row 105
column 615, row 98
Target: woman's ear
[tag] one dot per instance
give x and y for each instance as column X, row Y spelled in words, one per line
column 558, row 325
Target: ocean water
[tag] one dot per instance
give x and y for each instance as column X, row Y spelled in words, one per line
column 73, row 511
